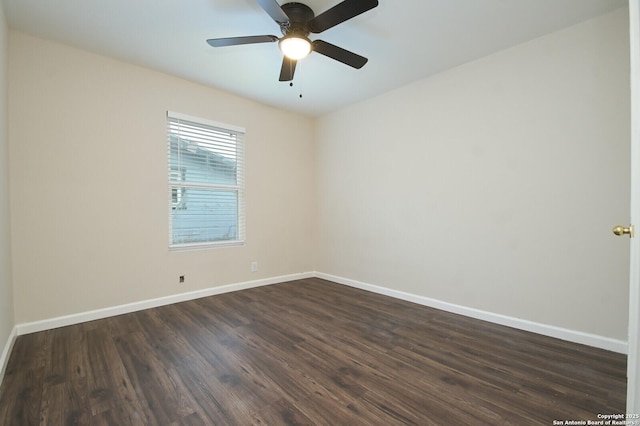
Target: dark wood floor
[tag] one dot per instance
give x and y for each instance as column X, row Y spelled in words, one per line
column 304, row 352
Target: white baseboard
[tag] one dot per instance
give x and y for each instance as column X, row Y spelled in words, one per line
column 48, row 324
column 601, row 342
column 4, row 357
column 606, row 343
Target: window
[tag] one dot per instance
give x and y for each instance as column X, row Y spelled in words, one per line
column 206, row 182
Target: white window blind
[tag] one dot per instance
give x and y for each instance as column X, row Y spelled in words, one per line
column 206, row 182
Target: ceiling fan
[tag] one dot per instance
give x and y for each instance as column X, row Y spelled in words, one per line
column 296, row 21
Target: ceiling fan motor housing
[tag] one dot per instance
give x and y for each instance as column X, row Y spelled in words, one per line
column 299, row 15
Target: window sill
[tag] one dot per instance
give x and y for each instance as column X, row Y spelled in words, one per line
column 207, row 245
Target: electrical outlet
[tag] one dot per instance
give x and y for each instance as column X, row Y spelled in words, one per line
column 181, row 279
column 254, row 266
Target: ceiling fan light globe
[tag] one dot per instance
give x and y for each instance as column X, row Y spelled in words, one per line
column 295, row 47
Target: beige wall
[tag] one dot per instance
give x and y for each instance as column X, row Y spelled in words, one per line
column 89, row 192
column 493, row 185
column 6, row 293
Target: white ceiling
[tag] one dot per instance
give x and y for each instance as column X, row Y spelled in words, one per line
column 405, row 40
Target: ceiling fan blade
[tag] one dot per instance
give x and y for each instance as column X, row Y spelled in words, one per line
column 234, row 41
column 288, row 69
column 340, row 13
column 274, row 10
column 339, row 54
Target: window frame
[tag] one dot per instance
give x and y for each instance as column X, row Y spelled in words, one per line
column 179, row 187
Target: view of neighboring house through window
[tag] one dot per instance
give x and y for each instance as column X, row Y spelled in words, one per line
column 206, row 182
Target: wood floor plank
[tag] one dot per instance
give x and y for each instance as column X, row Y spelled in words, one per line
column 281, row 412
column 25, row 375
column 109, row 386
column 306, row 352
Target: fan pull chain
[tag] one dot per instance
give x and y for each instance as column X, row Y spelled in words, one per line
column 291, row 85
column 300, row 73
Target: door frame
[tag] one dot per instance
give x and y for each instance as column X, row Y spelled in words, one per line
column 633, row 354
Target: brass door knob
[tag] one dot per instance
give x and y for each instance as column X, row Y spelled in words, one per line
column 622, row 230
